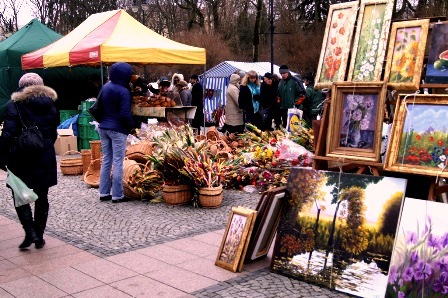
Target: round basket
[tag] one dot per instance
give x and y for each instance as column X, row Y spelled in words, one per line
column 71, row 166
column 92, row 176
column 139, row 151
column 177, row 194
column 212, row 134
column 210, row 197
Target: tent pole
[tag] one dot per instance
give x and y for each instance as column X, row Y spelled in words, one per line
column 102, row 74
column 205, row 81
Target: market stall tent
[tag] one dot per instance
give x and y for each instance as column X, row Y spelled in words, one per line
column 30, row 37
column 110, row 37
column 216, row 79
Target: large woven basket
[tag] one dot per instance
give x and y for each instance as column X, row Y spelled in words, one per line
column 210, row 197
column 92, row 176
column 139, row 151
column 129, row 168
column 72, row 165
column 177, row 194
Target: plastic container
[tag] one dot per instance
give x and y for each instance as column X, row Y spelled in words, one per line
column 83, row 143
column 85, row 106
column 84, row 119
column 65, row 114
column 88, row 132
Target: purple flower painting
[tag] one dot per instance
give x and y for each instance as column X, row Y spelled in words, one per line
column 419, row 266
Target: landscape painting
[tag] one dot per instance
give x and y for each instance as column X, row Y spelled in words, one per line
column 419, row 136
column 338, row 230
column 419, row 266
column 437, row 68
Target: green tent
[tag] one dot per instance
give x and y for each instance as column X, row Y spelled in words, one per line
column 71, row 84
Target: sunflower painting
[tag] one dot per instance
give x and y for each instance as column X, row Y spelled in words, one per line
column 405, row 55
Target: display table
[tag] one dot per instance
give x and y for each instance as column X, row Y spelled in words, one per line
column 186, row 112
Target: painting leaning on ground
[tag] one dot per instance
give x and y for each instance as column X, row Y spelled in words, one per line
column 342, row 239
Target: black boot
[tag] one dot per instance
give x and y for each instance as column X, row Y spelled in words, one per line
column 26, row 219
column 40, row 218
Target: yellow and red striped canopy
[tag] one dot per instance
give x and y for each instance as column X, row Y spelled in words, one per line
column 110, row 37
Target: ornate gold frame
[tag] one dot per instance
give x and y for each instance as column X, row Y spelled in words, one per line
column 382, row 44
column 335, row 9
column 237, row 263
column 340, row 89
column 418, row 64
column 392, row 163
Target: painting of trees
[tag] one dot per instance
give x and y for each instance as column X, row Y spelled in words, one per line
column 333, row 230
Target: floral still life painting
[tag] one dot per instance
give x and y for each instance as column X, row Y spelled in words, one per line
column 405, row 56
column 437, row 68
column 419, row 265
column 359, row 120
column 370, row 41
column 335, row 48
column 338, row 230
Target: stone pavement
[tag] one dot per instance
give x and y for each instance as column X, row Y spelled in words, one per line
column 100, row 249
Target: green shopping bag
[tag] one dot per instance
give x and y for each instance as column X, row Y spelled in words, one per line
column 22, row 194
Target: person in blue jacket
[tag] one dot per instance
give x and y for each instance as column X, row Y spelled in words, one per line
column 115, row 125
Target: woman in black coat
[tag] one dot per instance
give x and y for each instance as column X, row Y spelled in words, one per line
column 37, row 169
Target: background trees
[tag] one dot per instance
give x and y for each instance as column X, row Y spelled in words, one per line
column 230, row 29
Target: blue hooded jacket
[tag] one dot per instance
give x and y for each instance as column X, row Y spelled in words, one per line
column 116, row 99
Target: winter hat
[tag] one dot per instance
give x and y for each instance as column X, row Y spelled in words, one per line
column 309, row 78
column 194, row 77
column 283, row 69
column 182, row 83
column 269, row 75
column 30, row 79
column 164, row 82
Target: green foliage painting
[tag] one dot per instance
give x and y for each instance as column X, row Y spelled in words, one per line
column 333, row 230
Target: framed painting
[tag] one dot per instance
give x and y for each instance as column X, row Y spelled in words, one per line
column 333, row 59
column 437, row 67
column 356, row 114
column 338, row 230
column 421, row 243
column 419, row 137
column 405, row 54
column 235, row 239
column 369, row 46
column 264, row 231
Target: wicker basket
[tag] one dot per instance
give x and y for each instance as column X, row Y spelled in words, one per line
column 71, row 166
column 210, row 197
column 129, row 167
column 177, row 194
column 95, row 145
column 139, row 151
column 92, row 176
column 212, row 134
column 86, row 155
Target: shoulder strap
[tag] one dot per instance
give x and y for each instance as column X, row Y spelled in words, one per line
column 20, row 115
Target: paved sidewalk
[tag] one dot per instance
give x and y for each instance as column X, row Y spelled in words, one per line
column 132, row 249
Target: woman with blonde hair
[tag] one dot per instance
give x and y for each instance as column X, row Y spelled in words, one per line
column 248, row 98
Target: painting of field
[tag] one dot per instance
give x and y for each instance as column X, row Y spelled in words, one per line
column 338, row 230
column 425, row 137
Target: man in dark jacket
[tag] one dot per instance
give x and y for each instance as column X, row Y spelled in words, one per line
column 34, row 103
column 197, row 94
column 289, row 93
column 115, row 125
column 313, row 100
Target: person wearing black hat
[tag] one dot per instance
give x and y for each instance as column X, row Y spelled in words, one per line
column 268, row 102
column 313, row 100
column 289, row 94
column 197, row 94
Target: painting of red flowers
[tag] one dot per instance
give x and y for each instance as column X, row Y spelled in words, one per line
column 419, row 138
column 336, row 44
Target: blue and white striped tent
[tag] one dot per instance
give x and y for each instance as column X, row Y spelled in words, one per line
column 216, row 79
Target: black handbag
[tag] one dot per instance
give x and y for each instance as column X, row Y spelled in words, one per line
column 264, row 113
column 96, row 110
column 31, row 139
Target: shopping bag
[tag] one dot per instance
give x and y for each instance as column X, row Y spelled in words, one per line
column 22, row 194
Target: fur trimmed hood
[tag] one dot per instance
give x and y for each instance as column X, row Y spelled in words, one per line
column 34, row 91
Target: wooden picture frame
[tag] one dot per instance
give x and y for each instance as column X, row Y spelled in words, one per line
column 335, row 50
column 356, row 119
column 437, row 64
column 267, row 229
column 235, row 239
column 405, row 55
column 370, row 42
column 418, row 141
